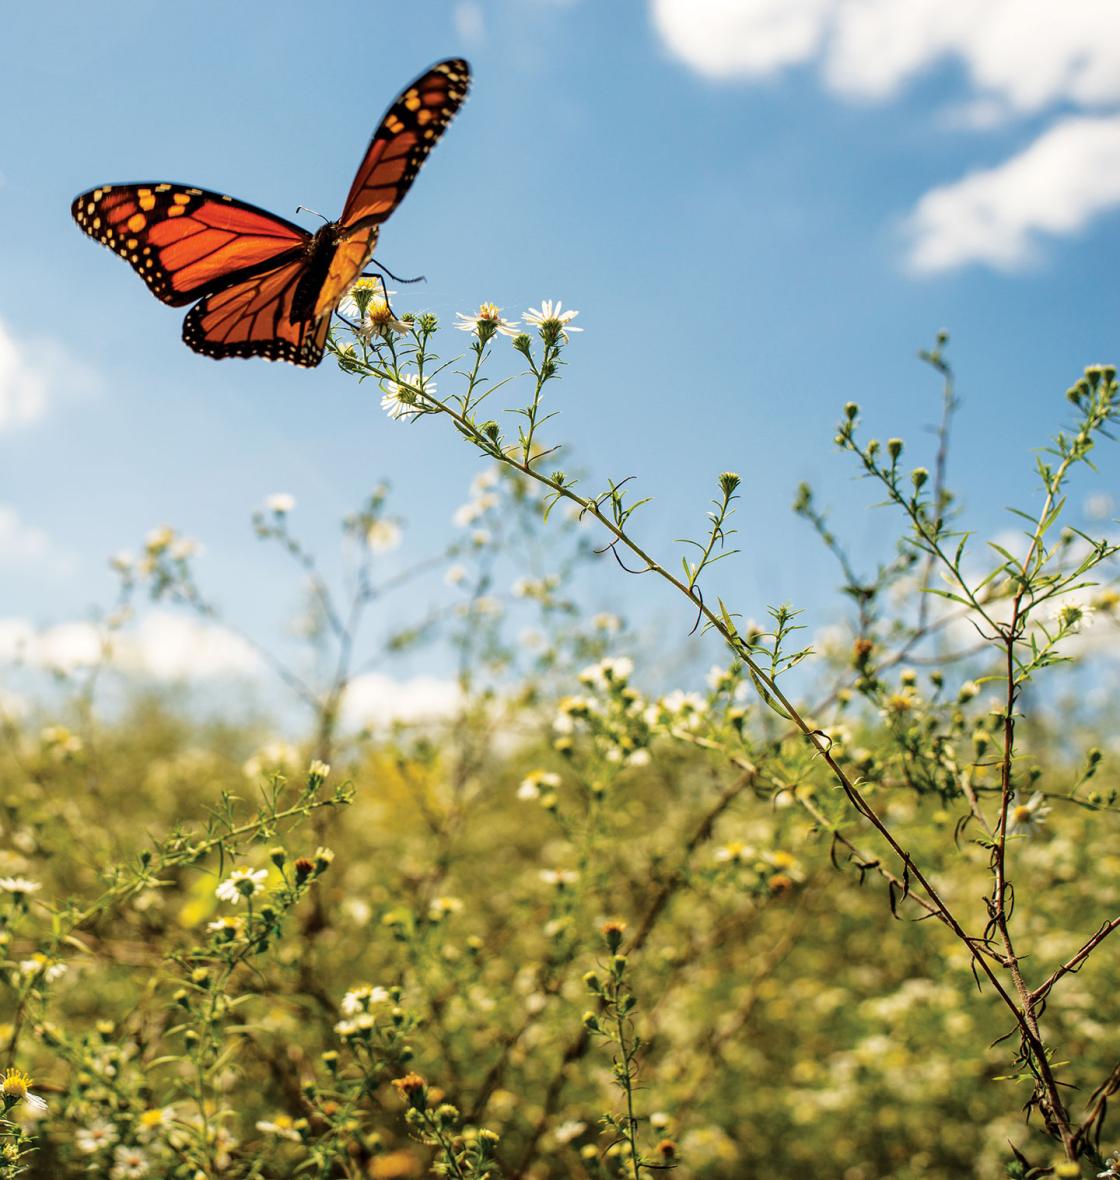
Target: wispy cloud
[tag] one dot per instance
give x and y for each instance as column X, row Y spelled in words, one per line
column 378, row 700
column 21, row 544
column 1020, row 58
column 161, row 646
column 470, row 22
column 23, row 387
column 1057, row 185
column 31, row 373
column 742, row 38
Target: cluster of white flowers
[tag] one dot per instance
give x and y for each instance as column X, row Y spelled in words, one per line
column 40, row 967
column 611, row 672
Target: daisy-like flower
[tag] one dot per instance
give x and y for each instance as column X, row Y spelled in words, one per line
column 319, row 769
column 456, row 575
column 734, row 853
column 280, row 503
column 20, row 886
column 568, row 1131
column 382, row 536
column 152, row 1121
column 228, row 928
column 486, row 322
column 16, row 1088
column 560, row 878
column 441, row 907
column 1113, row 1168
column 282, row 1126
column 532, row 783
column 159, row 539
column 362, row 999
column 363, row 294
column 129, row 1163
column 380, row 321
column 1025, row 819
column 241, row 883
column 97, row 1135
column 405, row 399
column 552, row 323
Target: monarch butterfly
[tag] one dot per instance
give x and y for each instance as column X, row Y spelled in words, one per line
column 261, row 285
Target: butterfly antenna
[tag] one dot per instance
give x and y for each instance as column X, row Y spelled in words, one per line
column 397, row 278
column 307, row 209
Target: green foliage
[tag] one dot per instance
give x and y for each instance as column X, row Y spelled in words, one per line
column 846, row 921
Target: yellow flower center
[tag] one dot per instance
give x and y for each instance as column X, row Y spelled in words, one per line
column 16, row 1084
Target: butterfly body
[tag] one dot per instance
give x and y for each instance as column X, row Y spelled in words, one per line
column 262, row 285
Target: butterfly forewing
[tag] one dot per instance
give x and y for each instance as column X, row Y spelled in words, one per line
column 182, row 241
column 408, row 132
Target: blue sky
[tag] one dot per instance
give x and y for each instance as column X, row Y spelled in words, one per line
column 761, row 208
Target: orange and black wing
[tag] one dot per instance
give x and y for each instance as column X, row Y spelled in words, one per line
column 253, row 317
column 186, row 242
column 407, row 133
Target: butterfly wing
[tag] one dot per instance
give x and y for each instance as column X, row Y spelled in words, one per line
column 253, row 317
column 401, row 143
column 185, row 242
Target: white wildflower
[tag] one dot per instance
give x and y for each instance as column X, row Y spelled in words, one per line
column 241, row 883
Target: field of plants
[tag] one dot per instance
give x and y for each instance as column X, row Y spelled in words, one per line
column 839, row 907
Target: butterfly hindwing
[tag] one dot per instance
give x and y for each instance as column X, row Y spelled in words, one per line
column 184, row 241
column 408, row 132
column 253, row 317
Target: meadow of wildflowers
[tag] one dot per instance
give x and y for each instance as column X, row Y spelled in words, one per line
column 841, row 908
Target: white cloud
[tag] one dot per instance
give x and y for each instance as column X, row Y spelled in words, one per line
column 376, row 700
column 20, row 543
column 23, row 388
column 1020, row 51
column 742, row 38
column 178, row 647
column 470, row 21
column 162, row 646
column 31, row 373
column 1068, row 176
column 1014, row 51
column 1018, row 57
